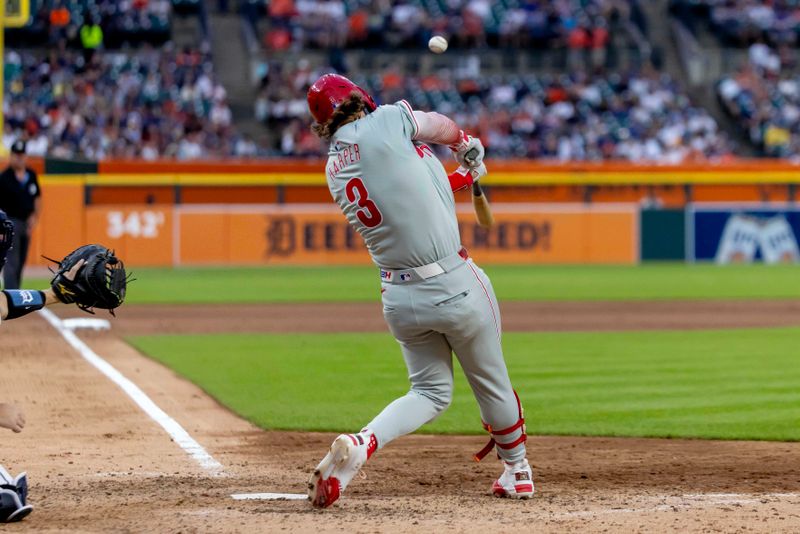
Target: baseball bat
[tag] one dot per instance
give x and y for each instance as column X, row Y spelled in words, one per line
column 482, row 209
column 479, row 201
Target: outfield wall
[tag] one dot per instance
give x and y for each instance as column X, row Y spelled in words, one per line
column 318, row 234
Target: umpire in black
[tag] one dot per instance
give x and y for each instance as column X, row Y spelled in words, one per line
column 20, row 198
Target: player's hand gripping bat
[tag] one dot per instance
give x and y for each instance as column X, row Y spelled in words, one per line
column 479, row 201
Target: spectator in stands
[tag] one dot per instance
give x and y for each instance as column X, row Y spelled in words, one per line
column 358, row 26
column 281, row 12
column 91, row 37
column 763, row 57
column 599, row 43
column 476, row 16
column 766, row 105
column 512, row 28
column 59, row 20
column 245, row 147
column 578, row 42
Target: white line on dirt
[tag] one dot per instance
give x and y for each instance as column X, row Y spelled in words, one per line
column 172, row 427
column 270, row 496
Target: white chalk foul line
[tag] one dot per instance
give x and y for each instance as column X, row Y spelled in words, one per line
column 270, row 496
column 170, row 425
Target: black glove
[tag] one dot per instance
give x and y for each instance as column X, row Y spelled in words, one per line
column 99, row 283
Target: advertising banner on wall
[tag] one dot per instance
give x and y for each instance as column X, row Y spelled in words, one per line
column 743, row 234
column 318, row 235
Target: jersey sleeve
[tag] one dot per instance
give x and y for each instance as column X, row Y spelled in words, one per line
column 410, row 125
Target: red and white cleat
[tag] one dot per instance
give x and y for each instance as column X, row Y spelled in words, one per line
column 516, row 481
column 347, row 456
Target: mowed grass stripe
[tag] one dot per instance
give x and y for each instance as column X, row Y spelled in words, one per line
column 726, row 384
column 532, row 283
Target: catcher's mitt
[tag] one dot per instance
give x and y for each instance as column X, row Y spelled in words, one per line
column 99, row 283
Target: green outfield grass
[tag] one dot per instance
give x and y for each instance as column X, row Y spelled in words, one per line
column 732, row 384
column 309, row 284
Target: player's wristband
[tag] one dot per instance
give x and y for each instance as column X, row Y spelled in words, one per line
column 23, row 301
column 460, row 179
column 461, row 143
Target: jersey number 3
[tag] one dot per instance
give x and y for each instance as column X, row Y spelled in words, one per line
column 370, row 216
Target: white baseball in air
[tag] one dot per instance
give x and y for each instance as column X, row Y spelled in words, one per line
column 437, row 44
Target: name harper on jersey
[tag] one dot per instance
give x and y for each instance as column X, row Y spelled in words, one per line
column 345, row 156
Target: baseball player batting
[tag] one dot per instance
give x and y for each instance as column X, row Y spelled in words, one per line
column 436, row 301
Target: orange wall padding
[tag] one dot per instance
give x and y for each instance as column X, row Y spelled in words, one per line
column 129, row 194
column 61, row 225
column 267, row 194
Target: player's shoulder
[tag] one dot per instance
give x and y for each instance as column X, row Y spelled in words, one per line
column 381, row 117
column 398, row 113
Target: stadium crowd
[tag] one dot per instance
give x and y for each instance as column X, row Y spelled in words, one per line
column 148, row 104
column 582, row 24
column 743, row 22
column 640, row 116
column 766, row 104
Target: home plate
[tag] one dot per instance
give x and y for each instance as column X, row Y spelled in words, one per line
column 270, row 496
column 86, row 322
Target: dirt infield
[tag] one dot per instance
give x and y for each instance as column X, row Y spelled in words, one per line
column 517, row 316
column 97, row 463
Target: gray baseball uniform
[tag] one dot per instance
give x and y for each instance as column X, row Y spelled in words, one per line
column 436, row 301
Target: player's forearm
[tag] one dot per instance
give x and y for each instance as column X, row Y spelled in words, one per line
column 48, row 298
column 436, row 128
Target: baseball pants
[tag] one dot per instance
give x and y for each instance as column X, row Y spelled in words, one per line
column 454, row 312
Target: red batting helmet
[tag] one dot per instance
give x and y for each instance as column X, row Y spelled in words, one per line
column 330, row 91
